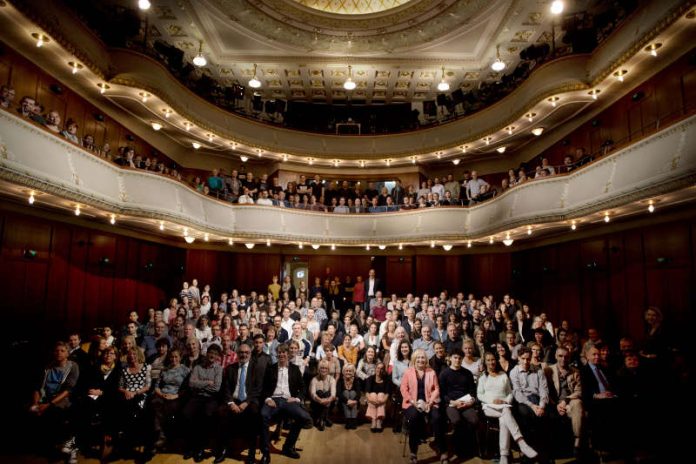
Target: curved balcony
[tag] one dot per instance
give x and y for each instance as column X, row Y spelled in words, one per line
column 31, row 157
column 132, row 71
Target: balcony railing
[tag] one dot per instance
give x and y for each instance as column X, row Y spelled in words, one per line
column 32, row 157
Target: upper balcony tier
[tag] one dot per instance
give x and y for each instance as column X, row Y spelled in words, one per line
column 32, row 160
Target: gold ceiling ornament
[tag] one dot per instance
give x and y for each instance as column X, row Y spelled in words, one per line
column 352, row 7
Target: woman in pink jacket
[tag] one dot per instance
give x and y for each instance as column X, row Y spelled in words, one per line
column 421, row 399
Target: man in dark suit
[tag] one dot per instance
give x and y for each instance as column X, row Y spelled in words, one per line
column 372, row 286
column 283, row 395
column 242, row 383
column 600, row 402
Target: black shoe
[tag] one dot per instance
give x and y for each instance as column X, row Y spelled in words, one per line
column 221, row 456
column 373, row 429
column 320, row 426
column 266, row 459
column 291, row 453
column 189, row 454
column 199, row 456
column 327, row 422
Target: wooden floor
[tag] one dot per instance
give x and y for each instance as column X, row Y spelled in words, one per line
column 335, row 445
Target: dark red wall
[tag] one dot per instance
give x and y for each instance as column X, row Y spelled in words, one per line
column 605, row 281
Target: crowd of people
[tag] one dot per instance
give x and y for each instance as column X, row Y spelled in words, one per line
column 315, row 194
column 217, row 371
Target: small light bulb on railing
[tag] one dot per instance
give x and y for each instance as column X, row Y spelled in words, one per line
column 651, row 208
column 77, row 210
column 161, row 226
column 113, row 219
column 367, row 247
column 529, row 230
column 606, row 217
column 206, row 237
column 268, row 242
column 573, row 226
column 333, row 247
column 490, row 240
column 31, row 198
column 432, row 244
column 300, row 246
column 230, row 242
column 103, row 87
column 401, row 246
column 468, row 244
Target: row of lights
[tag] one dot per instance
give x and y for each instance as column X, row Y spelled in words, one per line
column 556, row 8
column 507, row 241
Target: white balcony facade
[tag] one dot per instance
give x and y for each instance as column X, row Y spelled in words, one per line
column 36, row 159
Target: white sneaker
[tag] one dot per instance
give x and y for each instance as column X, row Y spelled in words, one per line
column 503, row 459
column 72, row 459
column 68, row 446
column 527, row 450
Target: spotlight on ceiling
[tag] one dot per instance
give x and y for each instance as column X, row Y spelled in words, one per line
column 456, row 161
column 553, row 100
column 199, row 60
column 537, row 131
column 498, row 65
column 349, row 84
column 189, row 239
column 156, row 126
column 254, row 82
column 501, row 149
column 508, row 241
column 144, row 4
column 315, row 246
column 557, row 7
column 196, row 145
column 249, row 245
column 244, row 159
column 652, row 48
column 76, row 67
column 443, row 86
column 103, row 87
column 447, row 247
column 41, row 39
column 382, row 247
column 619, row 75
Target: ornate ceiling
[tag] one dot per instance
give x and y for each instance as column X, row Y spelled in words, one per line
column 397, row 50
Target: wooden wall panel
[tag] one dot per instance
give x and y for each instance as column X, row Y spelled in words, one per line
column 399, row 274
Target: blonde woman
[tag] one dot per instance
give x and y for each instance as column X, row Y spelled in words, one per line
column 421, row 397
column 322, row 391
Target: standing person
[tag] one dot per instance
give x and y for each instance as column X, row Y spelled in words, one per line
column 283, row 395
column 372, row 286
column 421, row 398
column 359, row 292
column 495, row 393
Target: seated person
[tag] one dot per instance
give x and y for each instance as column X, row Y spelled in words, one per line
column 52, row 399
column 322, row 392
column 7, row 95
column 283, row 395
column 26, row 106
column 600, row 401
column 348, row 392
column 457, row 383
column 166, row 399
column 531, row 394
column 565, row 392
column 421, row 397
column 495, row 393
column 377, row 390
column 204, row 386
column 70, row 131
column 53, row 121
column 239, row 408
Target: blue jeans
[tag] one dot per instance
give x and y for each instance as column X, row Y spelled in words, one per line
column 293, row 411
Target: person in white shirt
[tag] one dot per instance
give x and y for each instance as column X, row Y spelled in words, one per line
column 263, row 199
column 494, row 391
column 246, row 198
